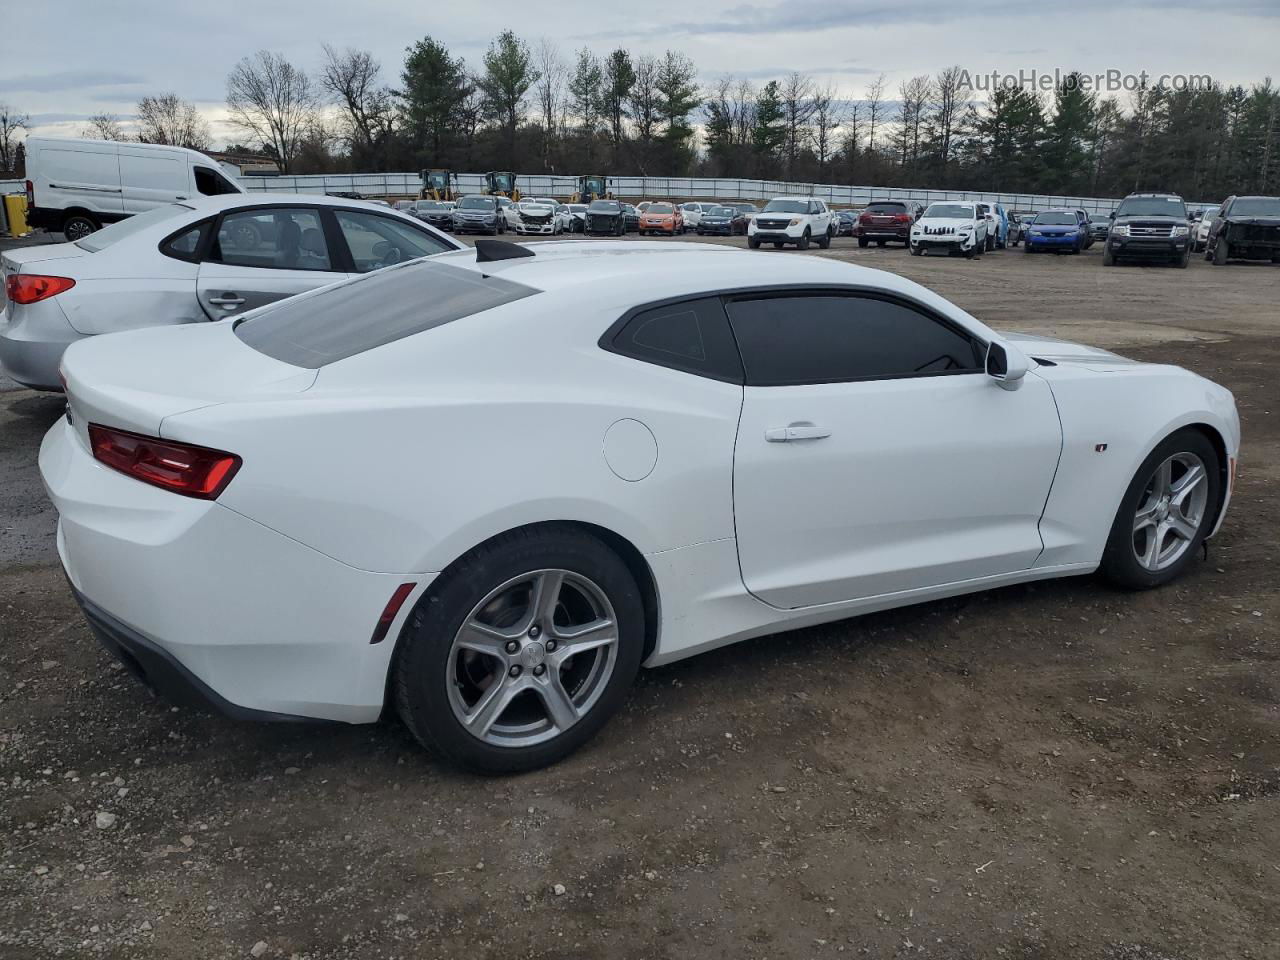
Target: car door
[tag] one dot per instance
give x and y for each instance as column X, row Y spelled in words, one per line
column 261, row 254
column 875, row 456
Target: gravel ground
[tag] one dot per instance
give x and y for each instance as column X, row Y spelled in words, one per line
column 1057, row 770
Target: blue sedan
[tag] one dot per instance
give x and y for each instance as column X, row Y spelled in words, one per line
column 1057, row 230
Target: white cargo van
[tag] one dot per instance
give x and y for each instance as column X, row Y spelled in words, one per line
column 76, row 186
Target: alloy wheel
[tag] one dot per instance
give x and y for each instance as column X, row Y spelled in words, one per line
column 532, row 658
column 1170, row 512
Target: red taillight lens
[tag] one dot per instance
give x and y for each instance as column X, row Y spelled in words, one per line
column 32, row 288
column 180, row 467
column 903, row 218
column 31, row 194
column 390, row 610
column 864, row 218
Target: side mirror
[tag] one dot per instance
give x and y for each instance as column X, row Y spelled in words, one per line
column 1005, row 365
column 1111, row 215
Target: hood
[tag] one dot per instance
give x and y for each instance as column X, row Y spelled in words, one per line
column 537, row 209
column 1247, row 221
column 1064, row 351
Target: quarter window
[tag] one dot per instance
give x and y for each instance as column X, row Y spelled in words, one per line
column 281, row 238
column 786, row 340
column 185, row 245
column 692, row 336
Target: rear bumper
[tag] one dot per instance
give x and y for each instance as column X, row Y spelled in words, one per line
column 215, row 606
column 882, row 233
column 32, row 341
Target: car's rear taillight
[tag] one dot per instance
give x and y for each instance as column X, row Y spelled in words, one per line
column 31, row 194
column 864, row 218
column 179, row 467
column 32, row 287
column 903, row 217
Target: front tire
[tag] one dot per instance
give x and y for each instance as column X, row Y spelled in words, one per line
column 1165, row 514
column 1108, row 258
column 803, row 243
column 753, row 243
column 1221, row 251
column 521, row 651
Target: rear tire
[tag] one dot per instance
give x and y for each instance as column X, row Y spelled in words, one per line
column 1147, row 497
column 862, row 241
column 432, row 676
column 77, row 226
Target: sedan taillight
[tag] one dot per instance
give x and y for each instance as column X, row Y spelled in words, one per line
column 178, row 467
column 27, row 288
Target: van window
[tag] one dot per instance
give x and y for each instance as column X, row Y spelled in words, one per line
column 211, row 183
column 105, row 237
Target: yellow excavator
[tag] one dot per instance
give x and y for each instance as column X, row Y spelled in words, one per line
column 439, row 185
column 592, row 187
column 501, row 183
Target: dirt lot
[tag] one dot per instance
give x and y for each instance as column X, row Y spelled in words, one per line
column 1049, row 771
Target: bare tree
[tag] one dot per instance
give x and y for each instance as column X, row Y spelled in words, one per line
column 550, row 95
column 272, row 100
column 11, row 121
column 643, row 107
column 796, row 94
column 913, row 95
column 828, row 115
column 944, row 117
column 103, row 126
column 170, row 120
column 875, row 111
column 352, row 79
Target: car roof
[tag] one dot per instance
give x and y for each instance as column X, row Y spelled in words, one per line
column 224, row 200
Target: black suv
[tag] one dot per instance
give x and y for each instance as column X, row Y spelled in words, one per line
column 1245, row 228
column 1149, row 226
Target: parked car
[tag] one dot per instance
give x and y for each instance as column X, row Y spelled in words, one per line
column 748, row 209
column 693, row 211
column 662, row 218
column 438, row 213
column 404, row 206
column 885, row 220
column 1061, row 231
column 246, row 515
column 1099, row 225
column 505, row 206
column 74, row 187
column 1201, row 225
column 535, row 216
column 579, row 213
column 1246, row 228
column 564, row 218
column 798, row 220
column 845, row 222
column 1083, row 216
column 1149, row 226
column 479, row 213
column 630, row 218
column 997, row 224
column 726, row 221
column 643, row 205
column 954, row 226
column 197, row 261
column 605, row 217
column 1016, row 229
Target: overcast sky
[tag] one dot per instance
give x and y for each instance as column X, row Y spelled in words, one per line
column 68, row 59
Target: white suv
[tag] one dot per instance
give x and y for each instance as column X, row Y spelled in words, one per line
column 693, row 212
column 954, row 226
column 797, row 220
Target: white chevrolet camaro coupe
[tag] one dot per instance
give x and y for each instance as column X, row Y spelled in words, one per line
column 205, row 259
column 485, row 487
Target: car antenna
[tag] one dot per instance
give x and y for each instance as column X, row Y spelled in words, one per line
column 488, row 251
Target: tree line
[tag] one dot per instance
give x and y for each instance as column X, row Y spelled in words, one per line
column 535, row 109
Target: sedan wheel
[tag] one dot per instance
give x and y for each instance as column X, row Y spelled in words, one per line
column 519, row 675
column 1166, row 512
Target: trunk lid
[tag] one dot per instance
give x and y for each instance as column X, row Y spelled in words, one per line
column 23, row 259
column 138, row 379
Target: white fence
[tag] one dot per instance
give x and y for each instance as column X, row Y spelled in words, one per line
column 681, row 188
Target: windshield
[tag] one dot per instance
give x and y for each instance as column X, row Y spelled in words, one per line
column 1153, row 207
column 1256, row 207
column 786, row 206
column 378, row 308
column 1056, row 218
column 660, row 208
column 577, row 208
column 432, row 205
column 949, row 211
column 886, row 208
column 605, row 206
column 105, row 237
column 1099, row 217
column 476, row 203
column 720, row 212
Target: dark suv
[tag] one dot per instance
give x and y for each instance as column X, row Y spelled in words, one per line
column 885, row 220
column 1149, row 226
column 1245, row 228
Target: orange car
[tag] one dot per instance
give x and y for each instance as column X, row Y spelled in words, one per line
column 661, row 218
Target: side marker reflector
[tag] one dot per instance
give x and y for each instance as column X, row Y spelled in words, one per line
column 390, row 611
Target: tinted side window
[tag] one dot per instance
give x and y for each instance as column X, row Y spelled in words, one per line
column 282, row 238
column 692, row 336
column 377, row 241
column 829, row 339
column 211, row 183
column 185, row 245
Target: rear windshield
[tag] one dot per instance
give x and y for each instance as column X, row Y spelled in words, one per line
column 101, row 239
column 376, row 309
column 886, row 208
